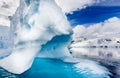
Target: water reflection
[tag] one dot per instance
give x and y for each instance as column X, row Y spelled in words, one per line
column 106, row 53
column 109, row 57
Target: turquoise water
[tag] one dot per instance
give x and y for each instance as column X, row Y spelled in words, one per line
column 53, row 68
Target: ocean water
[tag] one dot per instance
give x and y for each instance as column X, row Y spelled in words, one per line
column 51, row 68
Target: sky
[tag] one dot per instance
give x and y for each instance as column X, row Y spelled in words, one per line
column 93, row 18
column 81, row 12
column 93, row 14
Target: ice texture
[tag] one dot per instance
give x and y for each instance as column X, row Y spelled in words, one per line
column 32, row 26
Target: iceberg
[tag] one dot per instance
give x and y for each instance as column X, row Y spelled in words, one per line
column 7, row 9
column 33, row 25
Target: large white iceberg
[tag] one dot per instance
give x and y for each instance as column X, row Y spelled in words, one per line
column 41, row 21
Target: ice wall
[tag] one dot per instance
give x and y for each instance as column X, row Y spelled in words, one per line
column 33, row 25
column 7, row 9
column 56, row 48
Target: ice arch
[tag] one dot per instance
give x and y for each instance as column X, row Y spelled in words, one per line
column 33, row 25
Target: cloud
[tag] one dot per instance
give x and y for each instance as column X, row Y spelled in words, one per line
column 68, row 6
column 108, row 28
column 109, row 3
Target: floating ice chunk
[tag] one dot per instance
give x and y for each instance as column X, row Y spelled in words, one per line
column 90, row 67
